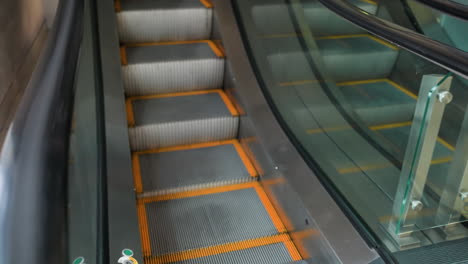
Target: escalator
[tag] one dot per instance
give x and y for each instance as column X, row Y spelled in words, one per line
column 352, row 100
column 259, row 131
column 198, row 196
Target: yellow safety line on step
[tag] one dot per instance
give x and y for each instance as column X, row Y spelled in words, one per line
column 298, row 238
column 270, row 209
column 392, row 83
column 293, row 252
column 446, row 144
column 137, row 173
column 277, row 221
column 216, row 50
column 279, row 209
column 355, row 169
column 389, row 126
column 403, row 89
column 230, row 106
column 441, row 160
column 274, row 217
column 361, row 82
column 245, row 146
column 123, row 55
column 165, row 43
column 117, row 6
column 144, row 230
column 232, row 99
column 402, row 124
column 207, row 3
column 383, row 42
column 186, row 147
column 218, row 249
column 386, row 165
column 166, row 95
column 232, row 109
column 198, row 192
column 130, row 114
column 240, row 151
column 245, row 160
column 369, row 2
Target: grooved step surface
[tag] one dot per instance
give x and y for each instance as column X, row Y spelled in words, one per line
column 180, row 119
column 171, row 68
column 183, row 133
column 155, row 21
column 321, row 20
column 179, row 108
column 344, row 58
column 166, row 53
column 202, row 221
column 132, row 5
column 191, row 167
column 269, row 254
column 379, row 102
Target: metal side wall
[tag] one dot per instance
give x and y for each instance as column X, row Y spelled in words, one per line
column 318, row 227
column 122, row 217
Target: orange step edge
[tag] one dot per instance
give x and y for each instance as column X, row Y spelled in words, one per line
column 129, row 101
column 217, row 48
column 223, row 248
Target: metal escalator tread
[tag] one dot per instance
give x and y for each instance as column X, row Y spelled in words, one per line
column 166, row 20
column 373, row 100
column 198, row 196
column 208, row 225
column 320, row 20
column 172, row 67
column 204, row 165
column 268, row 254
column 339, row 53
column 179, row 119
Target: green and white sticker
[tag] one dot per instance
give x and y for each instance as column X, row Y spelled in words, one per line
column 127, row 257
column 79, row 260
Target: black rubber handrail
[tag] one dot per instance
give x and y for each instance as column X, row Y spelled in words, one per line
column 448, row 57
column 34, row 157
column 447, row 6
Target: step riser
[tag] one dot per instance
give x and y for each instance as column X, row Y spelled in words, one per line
column 164, row 25
column 183, row 133
column 171, row 77
column 346, row 67
column 387, row 115
column 322, row 21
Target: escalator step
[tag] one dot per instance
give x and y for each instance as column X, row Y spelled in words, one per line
column 379, row 101
column 204, row 165
column 346, row 58
column 180, row 119
column 172, row 67
column 321, row 21
column 357, row 57
column 276, row 253
column 208, row 217
column 164, row 20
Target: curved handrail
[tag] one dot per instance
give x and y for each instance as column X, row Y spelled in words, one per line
column 34, row 158
column 447, row 6
column 443, row 55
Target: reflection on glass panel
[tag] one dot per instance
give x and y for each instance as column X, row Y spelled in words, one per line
column 84, row 167
column 381, row 124
column 430, row 22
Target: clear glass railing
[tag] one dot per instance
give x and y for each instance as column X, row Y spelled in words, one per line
column 435, row 24
column 382, row 126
